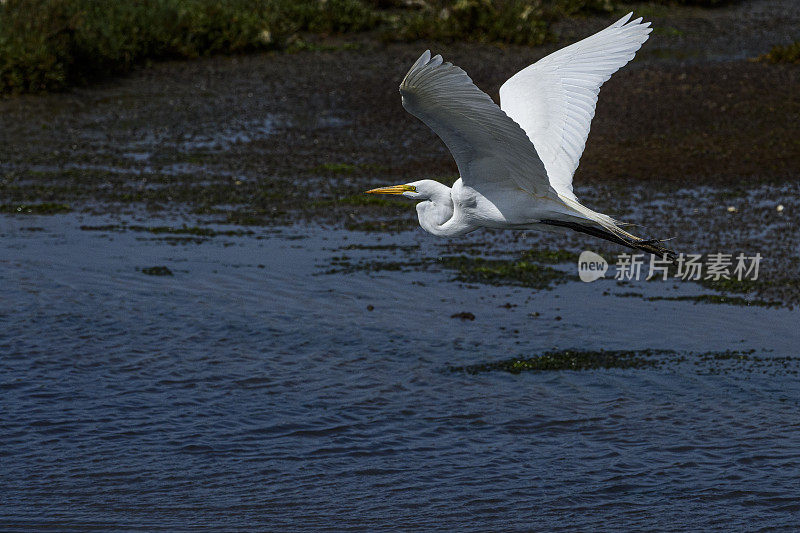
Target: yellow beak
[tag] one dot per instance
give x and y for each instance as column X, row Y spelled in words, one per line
column 394, row 189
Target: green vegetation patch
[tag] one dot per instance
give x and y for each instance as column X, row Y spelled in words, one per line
column 732, row 285
column 722, row 299
column 157, row 230
column 46, row 208
column 758, row 286
column 747, row 361
column 582, row 360
column 342, row 265
column 252, row 202
column 789, row 53
column 52, row 44
column 520, row 272
column 382, row 247
column 550, row 256
column 571, row 360
column 743, row 286
column 467, row 269
column 157, row 271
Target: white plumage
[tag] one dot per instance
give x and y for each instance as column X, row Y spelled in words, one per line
column 554, row 99
column 516, row 161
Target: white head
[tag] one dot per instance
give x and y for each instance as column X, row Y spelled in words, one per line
column 436, row 207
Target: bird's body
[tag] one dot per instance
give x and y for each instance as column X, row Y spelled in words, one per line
column 462, row 209
column 517, row 160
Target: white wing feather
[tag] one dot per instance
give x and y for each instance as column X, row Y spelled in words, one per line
column 554, row 99
column 489, row 148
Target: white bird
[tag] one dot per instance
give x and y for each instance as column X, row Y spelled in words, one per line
column 516, row 161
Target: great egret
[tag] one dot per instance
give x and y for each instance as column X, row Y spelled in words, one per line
column 517, row 160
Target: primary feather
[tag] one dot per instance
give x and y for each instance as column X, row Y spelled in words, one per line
column 554, row 99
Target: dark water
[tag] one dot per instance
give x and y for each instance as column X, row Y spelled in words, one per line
column 249, row 391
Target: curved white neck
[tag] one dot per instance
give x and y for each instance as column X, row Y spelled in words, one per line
column 439, row 216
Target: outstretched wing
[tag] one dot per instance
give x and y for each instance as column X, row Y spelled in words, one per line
column 554, row 99
column 489, row 147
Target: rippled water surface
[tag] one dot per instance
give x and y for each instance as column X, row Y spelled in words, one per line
column 251, row 390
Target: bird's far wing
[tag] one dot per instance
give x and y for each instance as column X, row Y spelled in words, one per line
column 489, row 147
column 554, row 99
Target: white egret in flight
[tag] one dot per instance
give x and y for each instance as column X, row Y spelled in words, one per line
column 517, row 160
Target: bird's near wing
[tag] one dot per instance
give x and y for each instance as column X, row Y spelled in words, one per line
column 490, row 149
column 554, row 99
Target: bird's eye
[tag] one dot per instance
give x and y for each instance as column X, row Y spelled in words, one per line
column 412, row 188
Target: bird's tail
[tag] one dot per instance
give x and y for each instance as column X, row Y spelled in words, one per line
column 610, row 230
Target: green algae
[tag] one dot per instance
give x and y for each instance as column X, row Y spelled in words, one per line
column 550, row 256
column 570, row 360
column 789, row 53
column 728, row 361
column 743, row 286
column 157, row 271
column 343, row 265
column 712, row 362
column 158, row 230
column 729, row 287
column 719, row 299
column 252, row 202
column 503, row 272
column 175, row 240
column 382, row 247
column 779, row 284
column 45, row 208
column 467, row 269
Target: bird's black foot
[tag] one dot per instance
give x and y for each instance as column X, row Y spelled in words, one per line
column 649, row 242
